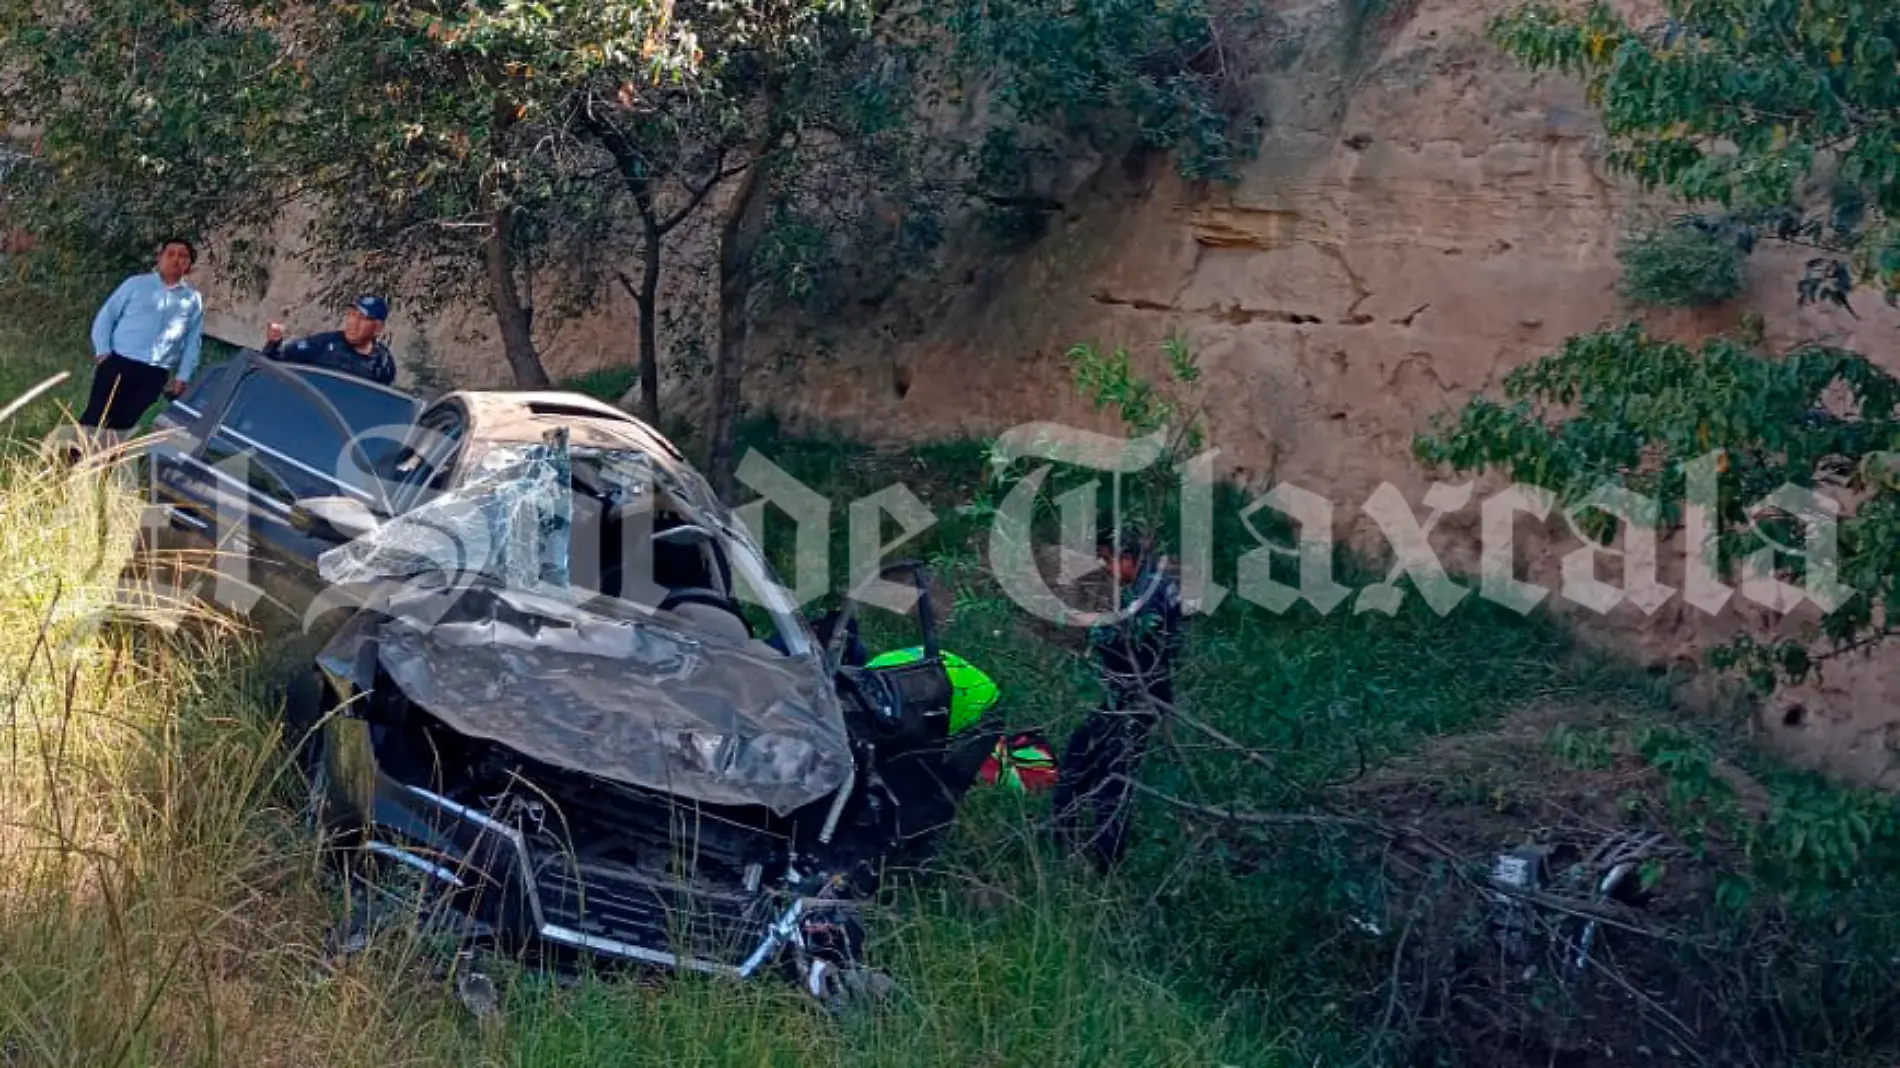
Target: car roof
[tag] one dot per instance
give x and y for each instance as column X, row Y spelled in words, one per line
column 526, row 415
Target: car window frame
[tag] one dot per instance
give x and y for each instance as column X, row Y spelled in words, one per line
column 280, row 502
column 437, row 457
column 217, row 408
column 311, row 375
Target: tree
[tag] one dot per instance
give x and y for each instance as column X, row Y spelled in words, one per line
column 788, row 83
column 1115, row 73
column 1739, row 103
column 1782, row 112
column 854, row 181
column 683, row 140
column 447, row 135
column 469, row 127
column 147, row 120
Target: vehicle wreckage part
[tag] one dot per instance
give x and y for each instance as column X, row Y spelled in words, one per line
column 821, row 980
column 475, row 989
column 837, row 808
column 474, row 619
column 972, row 691
column 1605, row 889
column 605, row 690
column 403, row 856
column 783, row 930
column 476, row 638
column 510, row 522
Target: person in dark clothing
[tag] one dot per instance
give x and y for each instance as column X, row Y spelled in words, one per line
column 357, row 349
column 1135, row 656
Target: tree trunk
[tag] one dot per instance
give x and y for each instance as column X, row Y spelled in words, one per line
column 638, row 179
column 648, row 302
column 517, row 337
column 738, row 240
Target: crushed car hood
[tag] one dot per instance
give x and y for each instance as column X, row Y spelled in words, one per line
column 471, row 613
column 596, row 689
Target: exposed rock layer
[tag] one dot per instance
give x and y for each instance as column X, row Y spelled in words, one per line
column 1422, row 217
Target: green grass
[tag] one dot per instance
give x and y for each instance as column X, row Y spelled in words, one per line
column 179, row 921
column 605, row 383
column 41, row 336
column 162, row 906
column 1677, row 266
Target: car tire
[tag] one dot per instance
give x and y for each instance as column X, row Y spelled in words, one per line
column 306, row 701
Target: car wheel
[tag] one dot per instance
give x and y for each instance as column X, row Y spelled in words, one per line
column 305, row 705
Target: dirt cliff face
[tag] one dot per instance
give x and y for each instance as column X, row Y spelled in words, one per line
column 1411, row 231
column 1422, row 216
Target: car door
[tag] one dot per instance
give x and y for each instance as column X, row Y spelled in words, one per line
column 262, row 437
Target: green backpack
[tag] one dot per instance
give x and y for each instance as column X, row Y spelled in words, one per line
column 972, row 692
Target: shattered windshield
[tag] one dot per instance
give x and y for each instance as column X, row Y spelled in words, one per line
column 509, row 521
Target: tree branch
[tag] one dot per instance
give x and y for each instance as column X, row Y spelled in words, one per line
column 697, row 195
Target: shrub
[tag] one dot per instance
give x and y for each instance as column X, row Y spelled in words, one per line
column 1682, row 265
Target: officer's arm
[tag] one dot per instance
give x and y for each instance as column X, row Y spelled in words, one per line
column 297, row 351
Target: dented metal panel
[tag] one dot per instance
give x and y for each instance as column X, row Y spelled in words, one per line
column 595, row 688
column 475, row 621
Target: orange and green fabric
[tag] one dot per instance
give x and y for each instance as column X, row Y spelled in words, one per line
column 972, row 691
column 1022, row 762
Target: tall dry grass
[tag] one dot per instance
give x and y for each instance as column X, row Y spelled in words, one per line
column 158, row 903
column 162, row 904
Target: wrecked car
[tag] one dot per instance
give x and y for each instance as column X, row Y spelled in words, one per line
column 561, row 682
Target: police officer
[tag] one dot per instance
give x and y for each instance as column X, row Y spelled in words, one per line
column 357, row 349
column 1135, row 655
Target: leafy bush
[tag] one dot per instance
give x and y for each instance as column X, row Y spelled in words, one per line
column 1169, row 74
column 1681, row 266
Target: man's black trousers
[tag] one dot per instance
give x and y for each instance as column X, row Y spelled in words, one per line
column 122, row 390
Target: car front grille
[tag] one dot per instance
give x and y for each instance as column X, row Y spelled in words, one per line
column 611, row 902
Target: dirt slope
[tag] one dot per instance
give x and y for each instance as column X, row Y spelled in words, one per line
column 1422, row 216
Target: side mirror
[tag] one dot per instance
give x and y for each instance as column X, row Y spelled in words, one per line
column 337, row 519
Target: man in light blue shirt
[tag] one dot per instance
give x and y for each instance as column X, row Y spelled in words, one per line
column 145, row 340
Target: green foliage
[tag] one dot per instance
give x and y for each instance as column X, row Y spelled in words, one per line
column 1118, row 70
column 1641, row 411
column 1142, row 405
column 1741, row 103
column 1680, row 266
column 1586, row 749
column 860, row 187
column 507, row 150
column 796, row 258
column 425, row 126
column 1171, row 409
column 1801, row 840
column 147, row 119
column 607, row 384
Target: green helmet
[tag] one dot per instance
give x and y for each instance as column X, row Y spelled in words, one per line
column 972, row 692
